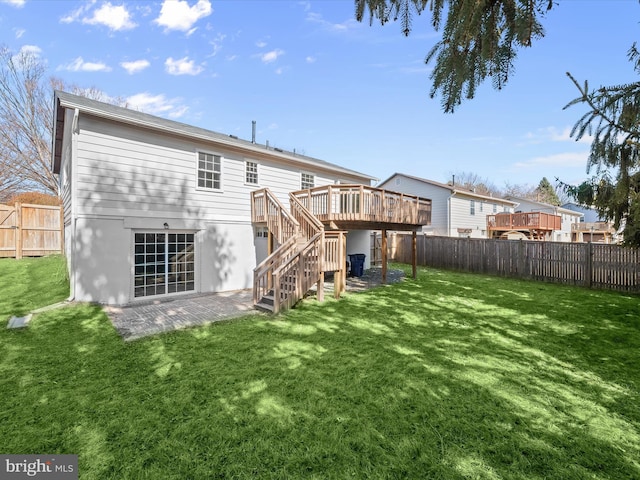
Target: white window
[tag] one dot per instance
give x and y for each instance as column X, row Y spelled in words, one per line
column 472, row 207
column 306, row 181
column 163, row 263
column 495, row 208
column 262, row 232
column 481, row 206
column 209, row 171
column 251, row 172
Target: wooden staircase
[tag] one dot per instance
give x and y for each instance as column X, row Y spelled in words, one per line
column 299, row 262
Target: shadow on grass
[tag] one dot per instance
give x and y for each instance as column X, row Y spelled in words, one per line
column 448, row 376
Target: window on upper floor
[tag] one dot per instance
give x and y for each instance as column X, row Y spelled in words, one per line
column 209, row 171
column 495, row 208
column 307, row 181
column 481, row 206
column 251, row 172
column 472, row 207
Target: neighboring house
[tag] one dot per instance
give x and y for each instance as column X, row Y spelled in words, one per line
column 153, row 207
column 591, row 227
column 455, row 211
column 561, row 233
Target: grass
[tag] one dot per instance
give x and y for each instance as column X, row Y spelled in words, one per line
column 449, row 376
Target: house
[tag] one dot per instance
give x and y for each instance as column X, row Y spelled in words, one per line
column 154, row 207
column 455, row 211
column 591, row 227
column 558, row 231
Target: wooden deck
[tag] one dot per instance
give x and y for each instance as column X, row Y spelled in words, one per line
column 310, row 236
column 535, row 225
column 597, row 232
column 360, row 207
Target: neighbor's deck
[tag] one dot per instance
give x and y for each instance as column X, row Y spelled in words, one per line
column 537, row 223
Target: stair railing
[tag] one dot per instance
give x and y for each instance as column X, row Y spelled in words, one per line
column 266, row 208
column 293, row 279
column 263, row 273
column 309, row 224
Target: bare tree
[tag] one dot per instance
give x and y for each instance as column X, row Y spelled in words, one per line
column 26, row 121
column 26, row 117
column 474, row 182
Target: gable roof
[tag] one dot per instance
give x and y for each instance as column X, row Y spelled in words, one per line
column 556, row 208
column 64, row 100
column 451, row 188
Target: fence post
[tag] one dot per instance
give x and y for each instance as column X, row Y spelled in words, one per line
column 18, row 207
column 588, row 268
column 521, row 260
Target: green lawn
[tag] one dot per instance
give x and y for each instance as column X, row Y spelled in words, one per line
column 448, row 376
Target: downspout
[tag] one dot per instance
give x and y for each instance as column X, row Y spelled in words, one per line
column 74, row 216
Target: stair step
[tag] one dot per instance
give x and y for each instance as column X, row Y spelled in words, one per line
column 264, row 306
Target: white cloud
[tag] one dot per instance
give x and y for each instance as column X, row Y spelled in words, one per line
column 15, row 3
column 310, row 59
column 343, row 27
column 135, row 66
column 271, row 56
column 79, row 65
column 568, row 159
column 26, row 52
column 75, row 15
column 182, row 66
column 261, row 44
column 31, row 49
column 116, row 17
column 20, row 32
column 216, row 43
column 157, row 105
column 178, row 15
column 554, row 134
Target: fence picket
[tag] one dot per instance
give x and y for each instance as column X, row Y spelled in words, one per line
column 590, row 265
column 28, row 230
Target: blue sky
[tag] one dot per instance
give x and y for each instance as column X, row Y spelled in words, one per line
column 317, row 81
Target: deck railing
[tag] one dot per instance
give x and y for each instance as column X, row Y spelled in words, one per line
column 361, row 203
column 524, row 221
column 588, row 227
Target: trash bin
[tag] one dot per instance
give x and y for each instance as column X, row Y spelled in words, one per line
column 357, row 264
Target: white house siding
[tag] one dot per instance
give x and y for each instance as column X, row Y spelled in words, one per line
column 461, row 217
column 359, row 241
column 449, row 211
column 129, row 179
column 439, row 198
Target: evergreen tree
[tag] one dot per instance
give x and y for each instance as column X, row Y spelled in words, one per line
column 480, row 38
column 546, row 193
column 613, row 118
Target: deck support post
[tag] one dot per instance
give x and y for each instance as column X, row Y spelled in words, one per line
column 384, row 257
column 343, row 286
column 414, row 254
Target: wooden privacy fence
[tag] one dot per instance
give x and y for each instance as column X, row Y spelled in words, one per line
column 30, row 230
column 592, row 265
